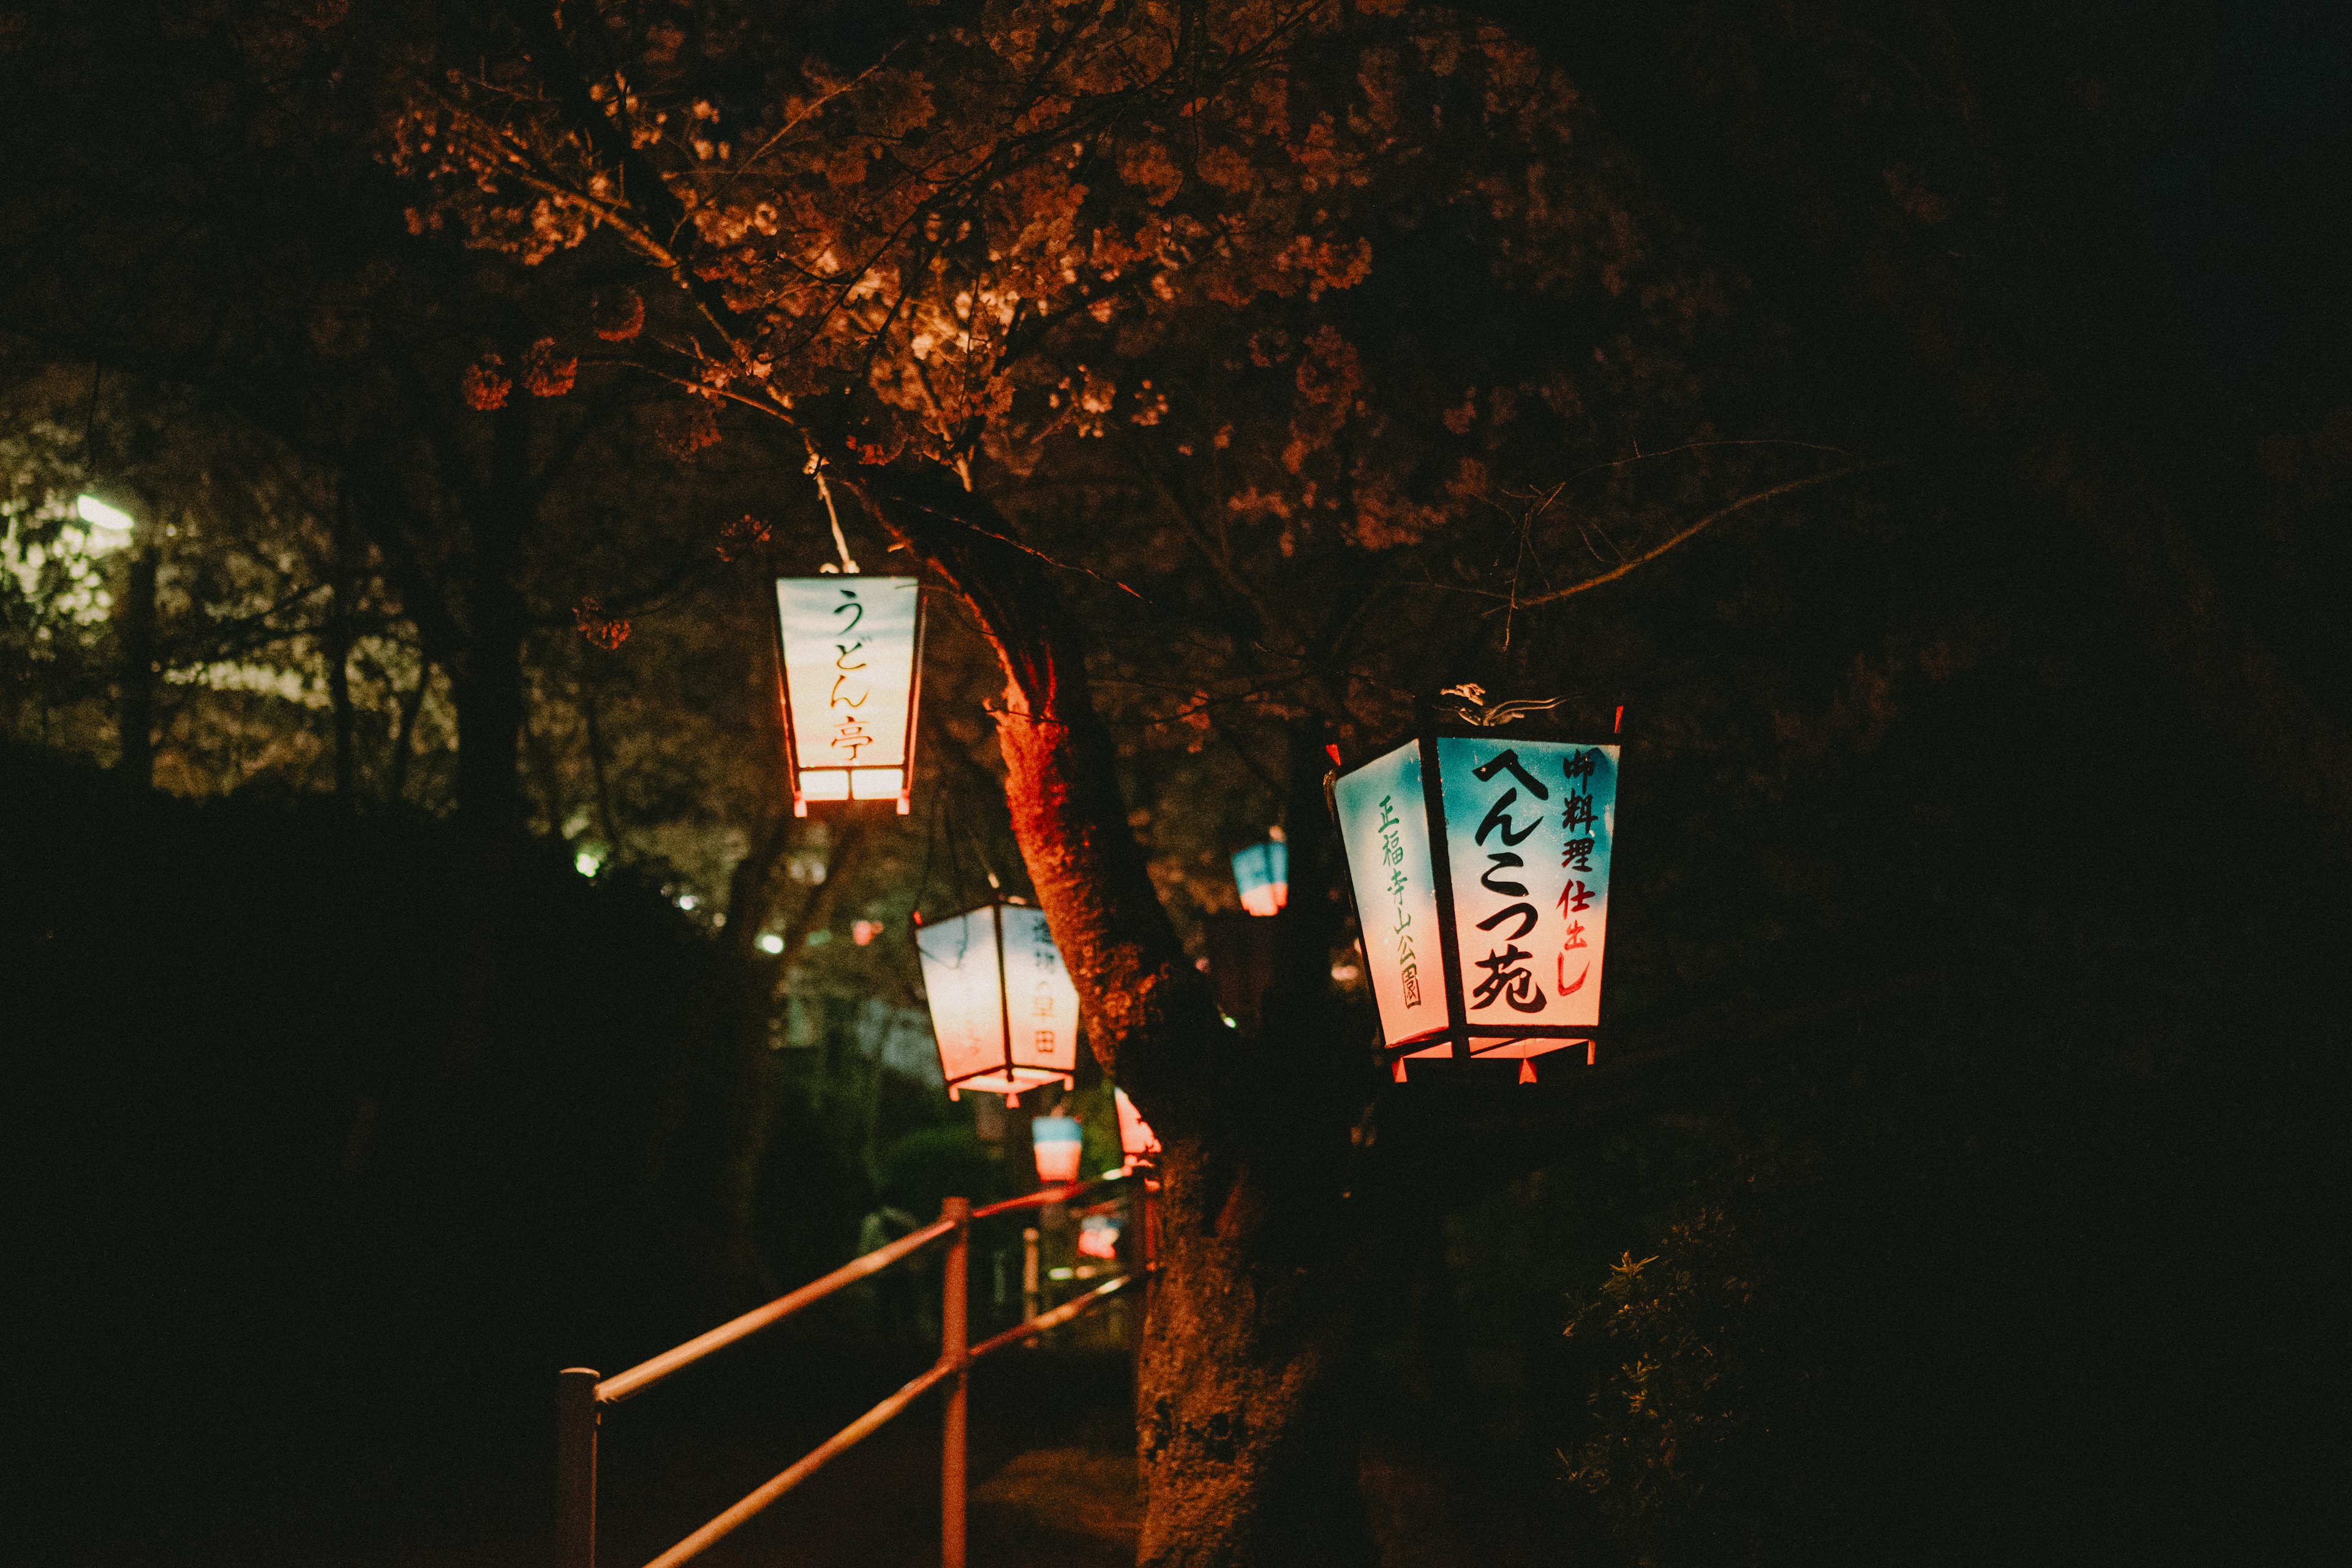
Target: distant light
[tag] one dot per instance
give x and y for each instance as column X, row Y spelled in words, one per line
column 1262, row 876
column 98, row 514
column 1345, row 973
column 1058, row 1141
column 688, row 902
column 771, row 942
column 587, row 862
column 864, row 931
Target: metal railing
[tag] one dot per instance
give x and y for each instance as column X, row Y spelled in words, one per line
column 581, row 1395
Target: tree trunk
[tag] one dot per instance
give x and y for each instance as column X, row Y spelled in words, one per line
column 1245, row 1433
column 135, row 719
column 489, row 688
column 339, row 657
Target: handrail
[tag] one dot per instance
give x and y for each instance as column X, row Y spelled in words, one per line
column 793, row 1475
column 645, row 1374
column 864, row 1425
column 1048, row 1195
column 1053, row 1319
column 579, row 1395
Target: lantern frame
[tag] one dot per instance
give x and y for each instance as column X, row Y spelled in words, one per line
column 794, row 772
column 1461, row 1040
column 1007, row 1076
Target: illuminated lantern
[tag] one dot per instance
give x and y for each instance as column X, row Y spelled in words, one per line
column 1262, row 872
column 1099, row 1237
column 1480, row 865
column 1002, row 1007
column 853, row 659
column 1136, row 1141
column 1058, row 1141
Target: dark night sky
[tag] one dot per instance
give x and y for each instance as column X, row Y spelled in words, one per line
column 2247, row 185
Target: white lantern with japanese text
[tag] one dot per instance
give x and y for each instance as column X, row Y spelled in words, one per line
column 852, row 647
column 1480, row 862
column 1002, row 1007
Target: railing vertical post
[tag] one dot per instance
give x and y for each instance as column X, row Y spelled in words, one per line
column 575, row 1467
column 953, row 1340
column 1029, row 1301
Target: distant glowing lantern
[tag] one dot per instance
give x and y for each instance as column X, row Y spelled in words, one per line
column 1480, row 865
column 1002, row 1007
column 1136, row 1141
column 1059, row 1140
column 853, row 661
column 1262, row 873
column 1099, row 1237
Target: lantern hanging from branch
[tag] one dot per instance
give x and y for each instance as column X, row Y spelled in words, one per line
column 1136, row 1141
column 1262, row 873
column 1002, row 1007
column 1058, row 1141
column 1479, row 862
column 851, row 652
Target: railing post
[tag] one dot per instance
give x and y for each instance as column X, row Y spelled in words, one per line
column 952, row 1344
column 575, row 1467
column 1029, row 1299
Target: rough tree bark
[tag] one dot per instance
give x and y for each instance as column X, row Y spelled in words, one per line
column 1247, row 1446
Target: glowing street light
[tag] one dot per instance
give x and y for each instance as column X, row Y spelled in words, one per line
column 1002, row 1007
column 1480, row 866
column 1261, row 874
column 111, row 526
column 1058, row 1141
column 852, row 650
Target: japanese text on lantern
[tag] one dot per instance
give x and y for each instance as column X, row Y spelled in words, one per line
column 1506, row 974
column 1576, row 820
column 850, row 686
column 1393, row 858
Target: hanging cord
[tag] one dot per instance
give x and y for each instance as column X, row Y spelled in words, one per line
column 840, row 541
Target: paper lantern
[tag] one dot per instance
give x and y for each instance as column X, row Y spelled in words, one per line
column 1058, row 1141
column 852, row 648
column 1262, row 873
column 1136, row 1141
column 1002, row 1007
column 1099, row 1237
column 1480, row 866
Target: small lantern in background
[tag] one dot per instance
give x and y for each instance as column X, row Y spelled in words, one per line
column 1480, row 866
column 1261, row 874
column 1136, row 1141
column 1059, row 1140
column 1002, row 1007
column 1099, row 1237
column 852, row 648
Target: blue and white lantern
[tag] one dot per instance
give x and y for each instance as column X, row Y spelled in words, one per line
column 1261, row 874
column 852, row 651
column 1003, row 1009
column 1480, row 866
column 1059, row 1141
